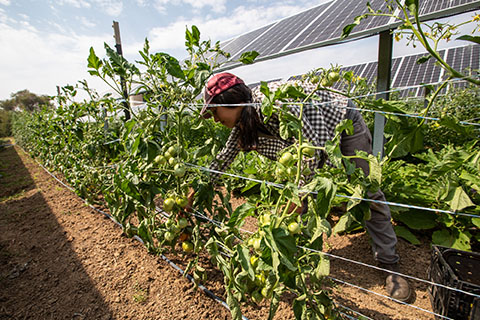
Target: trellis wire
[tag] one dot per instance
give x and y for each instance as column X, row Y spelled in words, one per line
column 212, row 295
column 219, row 224
column 358, row 97
column 390, row 298
column 278, row 185
column 189, row 277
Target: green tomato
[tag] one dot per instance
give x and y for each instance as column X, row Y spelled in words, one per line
column 264, row 220
column 254, row 261
column 286, row 158
column 160, row 160
column 172, row 161
column 294, row 228
column 168, row 204
column 173, row 150
column 174, row 229
column 308, row 150
column 333, row 76
column 179, row 170
column 307, row 171
column 257, row 243
column 187, row 246
column 326, row 82
column 182, row 223
column 279, row 172
column 167, row 155
column 169, row 236
column 182, row 201
column 266, row 293
column 315, row 79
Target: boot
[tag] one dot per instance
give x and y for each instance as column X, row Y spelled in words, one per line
column 396, row 286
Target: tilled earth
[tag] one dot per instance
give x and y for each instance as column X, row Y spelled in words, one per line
column 60, row 259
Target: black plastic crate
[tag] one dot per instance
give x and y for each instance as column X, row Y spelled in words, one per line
column 460, row 270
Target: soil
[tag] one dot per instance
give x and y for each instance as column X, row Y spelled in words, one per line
column 60, row 259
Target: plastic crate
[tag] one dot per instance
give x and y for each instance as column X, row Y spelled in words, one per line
column 455, row 269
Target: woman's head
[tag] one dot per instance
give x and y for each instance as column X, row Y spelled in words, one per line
column 223, row 91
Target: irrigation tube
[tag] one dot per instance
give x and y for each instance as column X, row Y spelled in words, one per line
column 189, row 277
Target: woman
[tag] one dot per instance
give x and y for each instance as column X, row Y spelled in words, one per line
column 224, row 95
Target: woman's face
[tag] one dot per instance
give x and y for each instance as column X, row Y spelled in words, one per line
column 226, row 116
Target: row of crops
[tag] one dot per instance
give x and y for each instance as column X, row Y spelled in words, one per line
column 143, row 169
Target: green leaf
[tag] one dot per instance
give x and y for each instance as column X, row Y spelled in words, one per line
column 424, row 59
column 234, row 305
column 248, row 57
column 240, row 213
column 323, row 267
column 93, row 61
column 452, row 238
column 326, row 191
column 244, row 257
column 349, row 28
column 411, row 5
column 417, row 219
column 283, row 247
column 343, row 223
column 404, row 233
column 476, row 222
column 459, row 200
column 475, row 39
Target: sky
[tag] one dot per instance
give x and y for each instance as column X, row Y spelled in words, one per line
column 45, row 43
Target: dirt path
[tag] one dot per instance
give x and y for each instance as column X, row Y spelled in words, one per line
column 59, row 259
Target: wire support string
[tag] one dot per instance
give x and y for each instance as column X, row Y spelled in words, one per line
column 392, row 272
column 281, row 186
column 387, row 297
column 219, row 224
column 181, row 271
column 197, row 105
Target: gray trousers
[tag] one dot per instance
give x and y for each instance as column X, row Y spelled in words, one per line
column 379, row 226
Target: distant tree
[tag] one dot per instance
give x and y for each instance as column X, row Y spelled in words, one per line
column 25, row 100
column 5, row 123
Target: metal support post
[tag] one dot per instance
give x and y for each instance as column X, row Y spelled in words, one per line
column 383, row 84
column 118, row 46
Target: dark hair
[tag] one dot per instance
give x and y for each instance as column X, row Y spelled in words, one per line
column 249, row 122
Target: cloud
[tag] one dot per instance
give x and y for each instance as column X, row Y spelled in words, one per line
column 86, row 23
column 44, row 60
column 75, row 3
column 111, row 7
column 5, row 2
column 217, row 6
column 241, row 20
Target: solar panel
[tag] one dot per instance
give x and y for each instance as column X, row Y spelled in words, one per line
column 275, row 39
column 332, row 22
column 238, row 44
column 323, row 25
column 464, row 59
column 407, row 73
